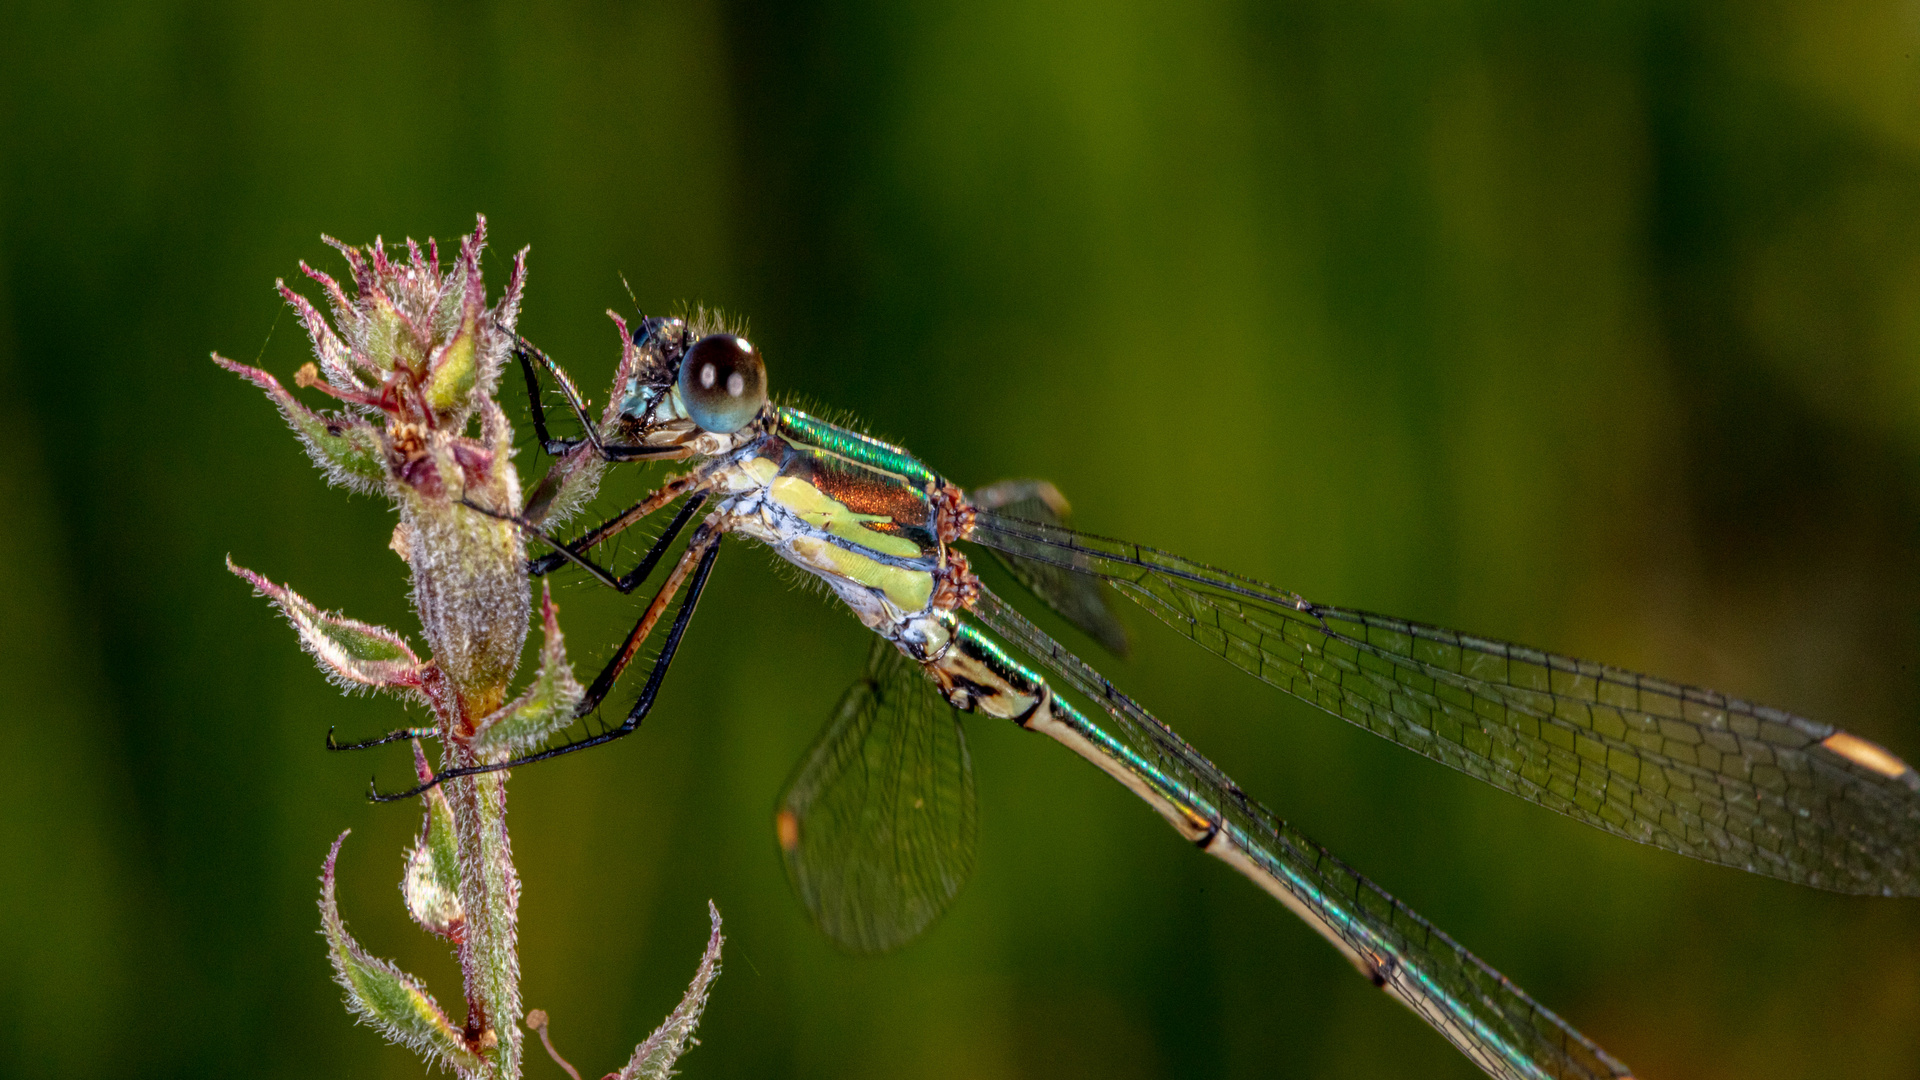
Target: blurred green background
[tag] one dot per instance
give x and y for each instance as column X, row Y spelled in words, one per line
column 1593, row 326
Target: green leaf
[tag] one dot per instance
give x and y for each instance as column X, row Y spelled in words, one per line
column 390, row 1000
column 387, row 336
column 432, row 884
column 455, row 370
column 653, row 1059
column 546, row 705
column 352, row 653
column 349, row 449
column 455, row 367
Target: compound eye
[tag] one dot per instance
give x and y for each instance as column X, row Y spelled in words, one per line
column 723, row 383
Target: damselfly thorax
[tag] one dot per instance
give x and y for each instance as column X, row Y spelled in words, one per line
column 865, row 518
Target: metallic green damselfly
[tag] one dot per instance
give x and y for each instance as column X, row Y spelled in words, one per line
column 877, row 824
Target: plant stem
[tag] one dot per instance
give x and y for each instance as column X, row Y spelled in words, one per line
column 490, row 892
column 489, row 887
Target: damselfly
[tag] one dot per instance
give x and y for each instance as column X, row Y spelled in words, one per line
column 877, row 822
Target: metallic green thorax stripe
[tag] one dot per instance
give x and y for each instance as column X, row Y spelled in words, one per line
column 798, row 427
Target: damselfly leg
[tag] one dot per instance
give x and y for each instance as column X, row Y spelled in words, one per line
column 396, row 735
column 583, row 452
column 529, row 354
column 696, row 563
column 567, row 553
column 572, row 551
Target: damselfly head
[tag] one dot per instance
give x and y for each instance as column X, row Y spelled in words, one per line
column 691, row 379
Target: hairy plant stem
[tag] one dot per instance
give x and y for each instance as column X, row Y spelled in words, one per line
column 490, row 892
column 489, row 887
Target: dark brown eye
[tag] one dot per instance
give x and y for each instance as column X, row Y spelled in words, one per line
column 723, row 383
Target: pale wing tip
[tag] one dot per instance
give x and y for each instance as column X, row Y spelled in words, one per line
column 1872, row 757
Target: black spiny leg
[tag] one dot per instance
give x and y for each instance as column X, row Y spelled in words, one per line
column 536, row 407
column 706, row 548
column 561, row 555
column 553, row 560
column 571, row 552
column 391, row 736
column 527, row 352
column 624, row 520
column 603, row 683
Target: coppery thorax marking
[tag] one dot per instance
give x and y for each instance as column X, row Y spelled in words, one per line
column 877, row 538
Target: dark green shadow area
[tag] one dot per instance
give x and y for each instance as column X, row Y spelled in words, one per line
column 1597, row 329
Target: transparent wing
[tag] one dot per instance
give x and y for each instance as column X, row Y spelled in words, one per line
column 1079, row 598
column 877, row 825
column 1492, row 1021
column 1678, row 767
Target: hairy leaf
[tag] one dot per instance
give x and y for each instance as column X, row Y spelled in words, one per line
column 546, row 705
column 353, row 653
column 386, row 998
column 653, row 1059
column 432, row 884
column 349, row 449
